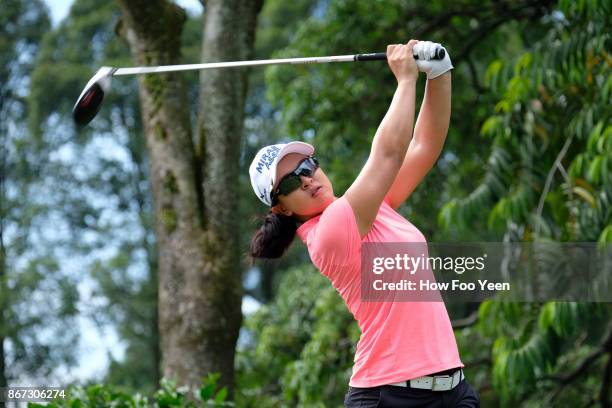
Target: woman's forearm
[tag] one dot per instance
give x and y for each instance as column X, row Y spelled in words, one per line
column 395, row 131
column 432, row 124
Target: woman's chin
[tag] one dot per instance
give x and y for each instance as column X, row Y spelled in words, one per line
column 323, row 200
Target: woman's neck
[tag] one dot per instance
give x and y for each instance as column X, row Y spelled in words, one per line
column 303, row 218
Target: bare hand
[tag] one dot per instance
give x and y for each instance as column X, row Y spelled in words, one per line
column 401, row 61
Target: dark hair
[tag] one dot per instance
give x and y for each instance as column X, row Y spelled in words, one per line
column 274, row 236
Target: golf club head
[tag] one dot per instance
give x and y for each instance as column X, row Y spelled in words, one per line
column 90, row 100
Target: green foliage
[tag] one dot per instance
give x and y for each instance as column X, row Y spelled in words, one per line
column 548, row 178
column 302, row 346
column 550, row 164
column 537, row 341
column 99, row 395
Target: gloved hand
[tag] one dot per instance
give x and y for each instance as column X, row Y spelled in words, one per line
column 433, row 68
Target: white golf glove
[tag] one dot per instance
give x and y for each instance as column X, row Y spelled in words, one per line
column 433, row 68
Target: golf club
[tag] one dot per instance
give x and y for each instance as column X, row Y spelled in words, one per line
column 90, row 100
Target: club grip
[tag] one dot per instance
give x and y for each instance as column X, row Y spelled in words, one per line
column 379, row 56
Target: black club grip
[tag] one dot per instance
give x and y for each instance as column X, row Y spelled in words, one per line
column 378, row 56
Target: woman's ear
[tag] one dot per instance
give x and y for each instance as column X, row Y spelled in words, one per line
column 279, row 209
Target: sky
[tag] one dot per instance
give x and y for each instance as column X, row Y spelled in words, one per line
column 96, row 343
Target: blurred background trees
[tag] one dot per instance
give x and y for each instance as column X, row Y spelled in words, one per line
column 99, row 185
column 528, row 158
column 36, row 330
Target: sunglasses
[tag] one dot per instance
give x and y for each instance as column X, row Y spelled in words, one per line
column 293, row 181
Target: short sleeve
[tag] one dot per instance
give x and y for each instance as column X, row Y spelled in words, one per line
column 336, row 241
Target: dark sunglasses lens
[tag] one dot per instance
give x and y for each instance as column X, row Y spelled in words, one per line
column 308, row 167
column 289, row 184
column 293, row 181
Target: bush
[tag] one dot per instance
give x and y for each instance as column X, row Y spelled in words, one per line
column 100, row 395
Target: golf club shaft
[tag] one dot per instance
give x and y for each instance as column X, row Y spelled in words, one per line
column 235, row 64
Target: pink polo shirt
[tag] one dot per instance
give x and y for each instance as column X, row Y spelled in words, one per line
column 399, row 340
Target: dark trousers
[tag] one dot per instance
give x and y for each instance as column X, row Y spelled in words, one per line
column 390, row 396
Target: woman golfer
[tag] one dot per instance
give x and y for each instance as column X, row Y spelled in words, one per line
column 407, row 355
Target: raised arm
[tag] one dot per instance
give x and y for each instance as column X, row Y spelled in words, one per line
column 429, row 136
column 431, row 126
column 390, row 142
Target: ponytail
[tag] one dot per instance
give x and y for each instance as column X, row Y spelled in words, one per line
column 274, row 237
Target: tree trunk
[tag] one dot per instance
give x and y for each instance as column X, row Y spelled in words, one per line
column 228, row 35
column 195, row 194
column 141, row 197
